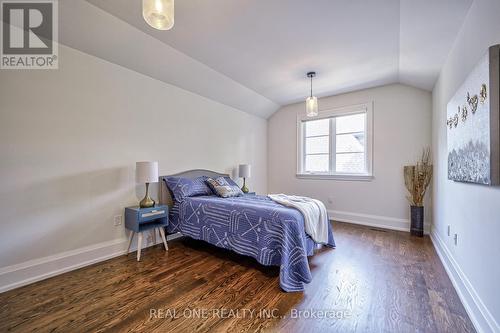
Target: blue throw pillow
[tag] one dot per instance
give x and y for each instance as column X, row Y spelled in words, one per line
column 185, row 187
column 223, row 188
column 231, row 182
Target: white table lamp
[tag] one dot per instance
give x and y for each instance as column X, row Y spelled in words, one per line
column 244, row 172
column 146, row 172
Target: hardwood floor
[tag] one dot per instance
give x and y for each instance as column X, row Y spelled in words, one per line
column 374, row 281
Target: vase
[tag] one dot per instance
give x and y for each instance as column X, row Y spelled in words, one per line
column 417, row 221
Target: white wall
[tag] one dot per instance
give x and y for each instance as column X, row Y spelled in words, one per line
column 472, row 211
column 402, row 128
column 69, row 140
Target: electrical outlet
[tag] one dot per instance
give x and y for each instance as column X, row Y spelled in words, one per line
column 330, row 200
column 117, row 220
column 449, row 230
column 455, row 238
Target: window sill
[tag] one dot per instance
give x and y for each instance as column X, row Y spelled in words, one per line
column 361, row 177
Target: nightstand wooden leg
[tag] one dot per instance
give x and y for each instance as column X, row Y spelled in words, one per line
column 154, row 236
column 130, row 241
column 162, row 233
column 139, row 245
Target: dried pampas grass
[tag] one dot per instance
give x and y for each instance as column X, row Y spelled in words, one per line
column 418, row 178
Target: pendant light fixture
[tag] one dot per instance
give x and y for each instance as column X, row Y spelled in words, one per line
column 159, row 13
column 311, row 101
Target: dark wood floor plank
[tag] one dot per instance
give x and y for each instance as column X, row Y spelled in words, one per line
column 374, row 281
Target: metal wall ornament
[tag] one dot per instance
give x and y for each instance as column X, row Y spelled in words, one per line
column 483, row 94
column 463, row 112
column 472, row 102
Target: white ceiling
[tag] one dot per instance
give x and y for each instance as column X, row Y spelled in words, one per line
column 267, row 46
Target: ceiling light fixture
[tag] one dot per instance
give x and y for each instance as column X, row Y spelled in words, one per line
column 159, row 13
column 311, row 101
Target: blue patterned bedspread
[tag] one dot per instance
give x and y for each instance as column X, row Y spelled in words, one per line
column 254, row 226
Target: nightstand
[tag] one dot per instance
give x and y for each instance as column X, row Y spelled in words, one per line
column 138, row 220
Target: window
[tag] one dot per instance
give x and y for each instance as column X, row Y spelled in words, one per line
column 336, row 144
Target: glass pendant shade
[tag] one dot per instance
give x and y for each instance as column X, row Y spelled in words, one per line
column 159, row 13
column 312, row 106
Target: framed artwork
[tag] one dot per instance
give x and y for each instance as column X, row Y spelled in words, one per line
column 473, row 124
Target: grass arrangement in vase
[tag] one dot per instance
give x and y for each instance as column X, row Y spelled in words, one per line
column 417, row 180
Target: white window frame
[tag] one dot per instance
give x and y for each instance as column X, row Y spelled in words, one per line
column 332, row 113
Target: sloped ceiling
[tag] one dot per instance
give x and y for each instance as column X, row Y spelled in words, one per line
column 253, row 54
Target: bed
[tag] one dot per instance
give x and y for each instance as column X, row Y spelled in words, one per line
column 250, row 225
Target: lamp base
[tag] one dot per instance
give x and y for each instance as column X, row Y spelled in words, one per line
column 147, row 202
column 244, row 188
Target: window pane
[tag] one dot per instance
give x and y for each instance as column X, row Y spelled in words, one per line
column 317, row 127
column 317, row 145
column 350, row 163
column 353, row 123
column 351, row 143
column 317, row 163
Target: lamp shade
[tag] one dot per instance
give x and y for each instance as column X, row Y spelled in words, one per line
column 312, row 106
column 244, row 170
column 158, row 13
column 146, row 172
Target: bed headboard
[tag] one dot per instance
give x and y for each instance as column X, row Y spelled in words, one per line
column 165, row 196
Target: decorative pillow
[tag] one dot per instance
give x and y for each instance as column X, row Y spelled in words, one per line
column 230, row 181
column 223, row 188
column 185, row 187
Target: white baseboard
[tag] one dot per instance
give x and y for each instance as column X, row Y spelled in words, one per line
column 384, row 222
column 481, row 317
column 19, row 275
